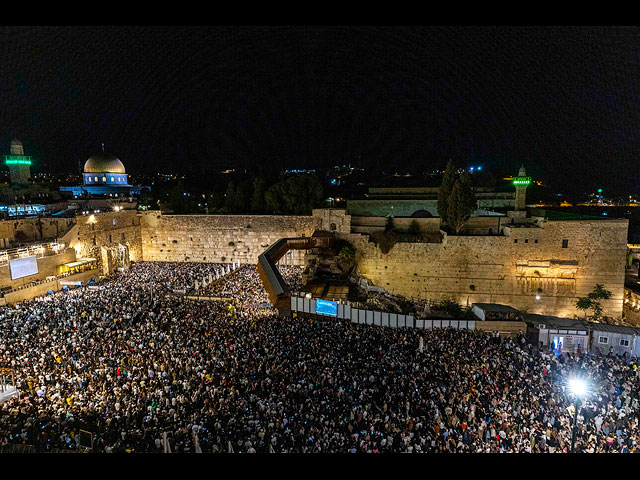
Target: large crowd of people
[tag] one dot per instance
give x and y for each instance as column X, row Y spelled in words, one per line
column 146, row 370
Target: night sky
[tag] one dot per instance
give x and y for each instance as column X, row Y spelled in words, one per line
column 563, row 101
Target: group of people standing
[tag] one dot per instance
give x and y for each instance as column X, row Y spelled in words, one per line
column 146, row 370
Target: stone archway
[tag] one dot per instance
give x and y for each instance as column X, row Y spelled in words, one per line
column 421, row 214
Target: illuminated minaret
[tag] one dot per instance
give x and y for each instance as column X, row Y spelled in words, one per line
column 19, row 164
column 521, row 183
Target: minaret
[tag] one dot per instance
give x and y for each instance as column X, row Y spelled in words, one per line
column 19, row 164
column 521, row 183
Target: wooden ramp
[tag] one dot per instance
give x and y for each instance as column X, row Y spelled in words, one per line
column 277, row 289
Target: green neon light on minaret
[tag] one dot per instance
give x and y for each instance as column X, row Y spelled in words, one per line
column 522, row 180
column 17, row 160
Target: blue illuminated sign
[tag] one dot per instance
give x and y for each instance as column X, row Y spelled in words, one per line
column 325, row 307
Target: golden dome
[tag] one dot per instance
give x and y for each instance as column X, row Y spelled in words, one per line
column 103, row 163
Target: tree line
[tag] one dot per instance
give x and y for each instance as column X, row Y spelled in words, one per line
column 294, row 195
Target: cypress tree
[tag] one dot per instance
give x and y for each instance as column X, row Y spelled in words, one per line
column 446, row 188
column 461, row 203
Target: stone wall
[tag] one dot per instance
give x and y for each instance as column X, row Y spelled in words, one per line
column 93, row 233
column 405, row 207
column 225, row 238
column 512, row 269
column 47, row 266
column 374, row 224
column 475, row 225
column 24, row 230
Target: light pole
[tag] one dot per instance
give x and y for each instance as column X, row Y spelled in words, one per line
column 579, row 389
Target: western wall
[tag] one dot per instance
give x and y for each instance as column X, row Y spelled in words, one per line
column 556, row 261
column 512, row 269
column 227, row 238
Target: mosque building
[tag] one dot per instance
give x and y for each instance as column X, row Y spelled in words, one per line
column 104, row 175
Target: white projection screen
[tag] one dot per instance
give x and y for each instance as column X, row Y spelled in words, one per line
column 23, row 267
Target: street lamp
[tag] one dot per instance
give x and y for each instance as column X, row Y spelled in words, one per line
column 579, row 389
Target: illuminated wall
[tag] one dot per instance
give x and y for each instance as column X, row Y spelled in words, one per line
column 512, row 269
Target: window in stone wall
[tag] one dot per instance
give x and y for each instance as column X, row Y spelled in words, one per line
column 565, row 243
column 624, row 343
column 515, row 240
column 535, row 241
column 603, row 340
column 526, row 240
column 332, row 227
column 114, row 221
column 122, row 237
column 110, row 238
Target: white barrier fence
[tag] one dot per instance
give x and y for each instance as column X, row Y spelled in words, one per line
column 373, row 317
column 217, row 275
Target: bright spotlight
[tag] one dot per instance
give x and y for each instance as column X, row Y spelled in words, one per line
column 578, row 387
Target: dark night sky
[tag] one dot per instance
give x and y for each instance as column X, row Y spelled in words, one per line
column 562, row 100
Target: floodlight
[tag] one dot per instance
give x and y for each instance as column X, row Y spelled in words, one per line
column 578, row 387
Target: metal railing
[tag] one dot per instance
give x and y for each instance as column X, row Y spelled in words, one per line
column 38, row 250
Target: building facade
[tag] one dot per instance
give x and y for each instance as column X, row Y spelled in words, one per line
column 104, row 175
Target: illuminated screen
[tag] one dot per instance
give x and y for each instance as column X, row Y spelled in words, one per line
column 325, row 307
column 23, row 267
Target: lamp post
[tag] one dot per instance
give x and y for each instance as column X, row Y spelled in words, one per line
column 579, row 389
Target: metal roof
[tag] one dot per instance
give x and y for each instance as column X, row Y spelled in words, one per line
column 604, row 327
column 496, row 307
column 556, row 322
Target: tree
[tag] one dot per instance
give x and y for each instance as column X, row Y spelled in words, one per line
column 452, row 308
column 592, row 301
column 389, row 226
column 294, row 195
column 584, row 303
column 234, row 199
column 462, row 203
column 598, row 293
column 385, row 240
column 346, row 258
column 215, row 202
column 179, row 201
column 444, row 192
column 414, row 228
column 273, row 199
column 257, row 197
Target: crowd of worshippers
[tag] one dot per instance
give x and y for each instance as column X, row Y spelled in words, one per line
column 245, row 287
column 146, row 370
